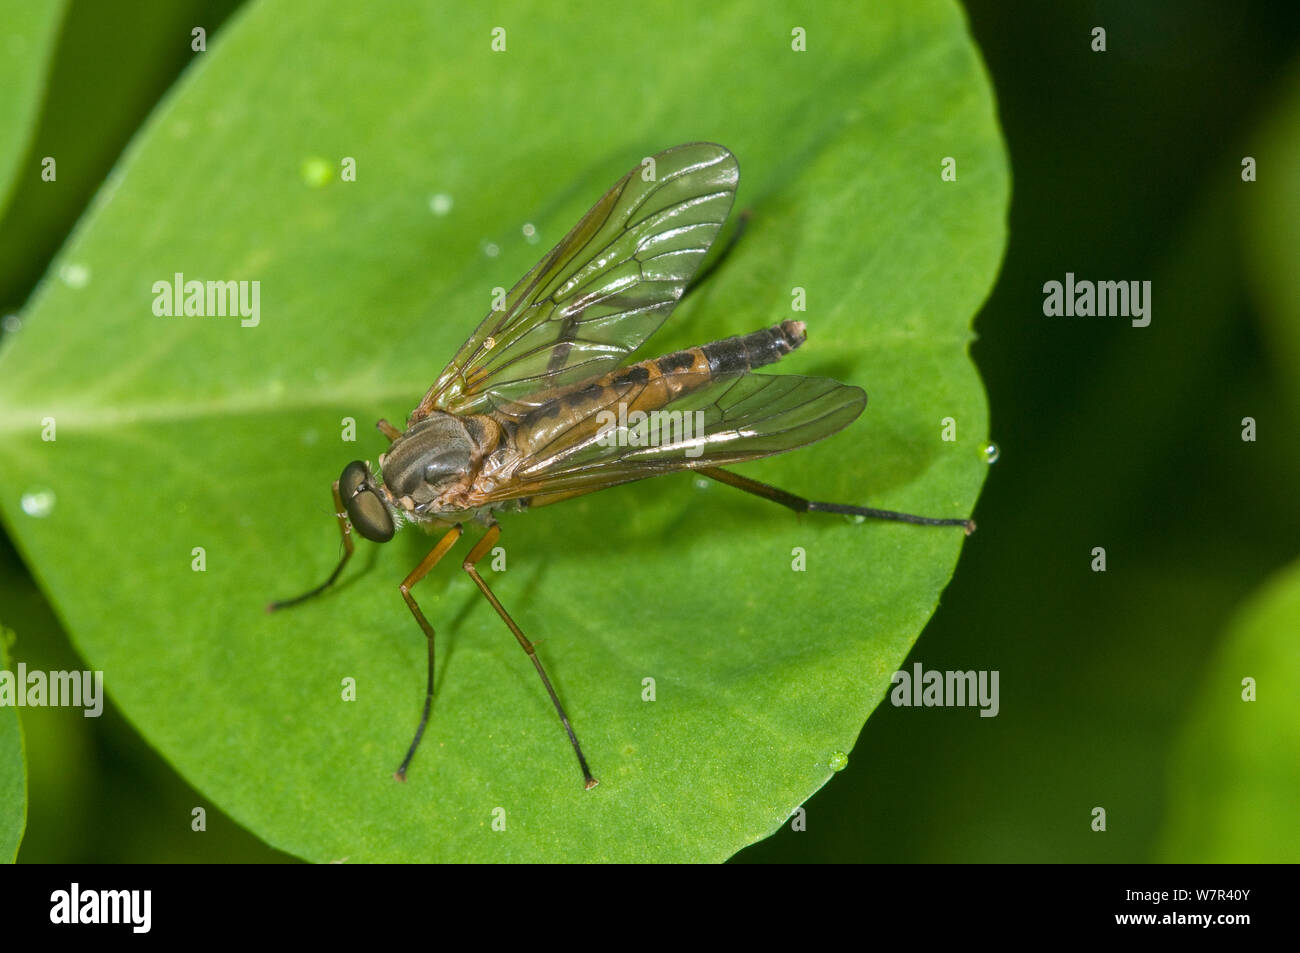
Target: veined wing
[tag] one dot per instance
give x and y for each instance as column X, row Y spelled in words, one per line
column 728, row 420
column 604, row 289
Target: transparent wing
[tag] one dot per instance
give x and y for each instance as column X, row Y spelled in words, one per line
column 604, row 289
column 729, row 420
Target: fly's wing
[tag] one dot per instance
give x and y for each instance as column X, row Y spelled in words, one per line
column 729, row 420
column 599, row 293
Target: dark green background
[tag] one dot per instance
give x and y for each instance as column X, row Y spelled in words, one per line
column 1126, row 166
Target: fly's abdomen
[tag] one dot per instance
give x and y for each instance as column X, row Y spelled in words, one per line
column 699, row 365
column 572, row 416
column 757, row 349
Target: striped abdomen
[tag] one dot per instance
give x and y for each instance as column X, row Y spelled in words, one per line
column 570, row 417
column 748, row 351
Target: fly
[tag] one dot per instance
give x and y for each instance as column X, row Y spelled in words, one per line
column 539, row 406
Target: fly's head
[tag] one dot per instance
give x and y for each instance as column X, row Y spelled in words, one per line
column 430, row 466
column 366, row 507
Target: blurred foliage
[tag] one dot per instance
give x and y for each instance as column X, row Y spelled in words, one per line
column 1127, row 165
column 1234, row 784
column 13, row 773
column 1236, row 781
column 1270, row 236
column 26, row 42
column 111, row 63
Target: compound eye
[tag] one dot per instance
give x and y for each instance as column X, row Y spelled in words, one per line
column 364, row 505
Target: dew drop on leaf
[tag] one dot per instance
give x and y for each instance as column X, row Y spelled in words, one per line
column 38, row 503
column 74, row 275
column 315, row 172
column 440, row 204
column 839, row 761
column 991, row 452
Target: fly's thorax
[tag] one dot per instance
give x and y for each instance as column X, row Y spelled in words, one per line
column 430, row 466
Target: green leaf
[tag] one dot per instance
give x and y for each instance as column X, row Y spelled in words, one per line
column 177, row 433
column 1237, row 769
column 13, row 769
column 29, row 30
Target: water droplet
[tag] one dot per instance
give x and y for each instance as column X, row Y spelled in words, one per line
column 11, row 323
column 855, row 518
column 530, row 233
column 491, row 250
column 991, row 452
column 839, row 761
column 316, row 171
column 38, row 503
column 440, row 204
column 701, row 483
column 74, row 275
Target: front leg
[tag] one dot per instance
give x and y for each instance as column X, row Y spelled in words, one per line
column 418, row 573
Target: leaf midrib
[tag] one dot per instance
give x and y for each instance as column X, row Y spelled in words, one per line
column 27, row 419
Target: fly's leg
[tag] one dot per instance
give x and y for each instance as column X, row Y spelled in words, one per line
column 800, row 505
column 418, row 573
column 345, row 529
column 481, row 549
column 388, row 430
